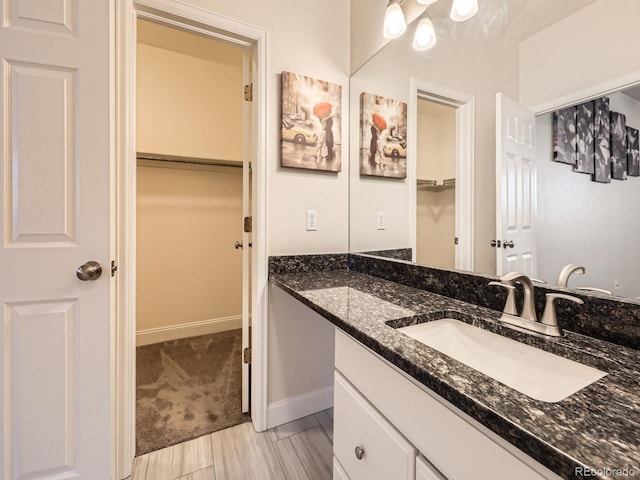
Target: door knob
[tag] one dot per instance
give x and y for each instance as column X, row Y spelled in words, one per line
column 89, row 271
column 238, row 245
column 508, row 244
column 495, row 243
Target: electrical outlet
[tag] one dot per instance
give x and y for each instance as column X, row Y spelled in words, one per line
column 312, row 220
column 380, row 221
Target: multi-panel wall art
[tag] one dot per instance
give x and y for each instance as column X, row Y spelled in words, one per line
column 383, row 136
column 596, row 141
column 311, row 123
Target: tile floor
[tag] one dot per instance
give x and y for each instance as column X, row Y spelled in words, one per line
column 298, row 450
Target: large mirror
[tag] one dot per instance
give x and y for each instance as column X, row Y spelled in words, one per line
column 544, row 55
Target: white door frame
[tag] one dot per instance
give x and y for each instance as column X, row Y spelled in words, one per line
column 195, row 19
column 465, row 106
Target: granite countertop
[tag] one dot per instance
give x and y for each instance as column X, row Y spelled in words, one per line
column 597, row 428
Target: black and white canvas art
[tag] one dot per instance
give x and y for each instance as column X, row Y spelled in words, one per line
column 618, row 146
column 585, row 141
column 311, row 123
column 564, row 135
column 602, row 152
column 633, row 152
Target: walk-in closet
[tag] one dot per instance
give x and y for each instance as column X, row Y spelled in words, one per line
column 189, row 139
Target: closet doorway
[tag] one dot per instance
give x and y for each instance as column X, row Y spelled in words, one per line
column 436, row 184
column 192, row 269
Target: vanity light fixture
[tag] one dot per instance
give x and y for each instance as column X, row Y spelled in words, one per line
column 394, row 22
column 425, row 36
column 462, row 10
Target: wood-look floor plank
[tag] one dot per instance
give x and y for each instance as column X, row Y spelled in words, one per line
column 291, row 428
column 204, row 474
column 140, row 465
column 306, row 455
column 181, row 459
column 325, row 419
column 241, row 453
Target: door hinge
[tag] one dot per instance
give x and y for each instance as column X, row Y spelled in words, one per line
column 248, row 92
column 455, row 240
column 248, row 224
column 114, row 268
column 246, row 355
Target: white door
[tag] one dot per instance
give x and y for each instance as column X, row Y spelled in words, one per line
column 246, row 232
column 55, row 335
column 515, row 187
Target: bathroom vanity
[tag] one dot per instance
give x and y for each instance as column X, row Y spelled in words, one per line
column 404, row 410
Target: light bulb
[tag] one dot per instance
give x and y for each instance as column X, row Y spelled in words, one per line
column 462, row 10
column 394, row 22
column 426, row 2
column 425, row 36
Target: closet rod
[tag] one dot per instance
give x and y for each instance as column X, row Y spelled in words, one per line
column 196, row 161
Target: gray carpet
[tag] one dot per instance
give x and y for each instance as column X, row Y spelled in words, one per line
column 187, row 388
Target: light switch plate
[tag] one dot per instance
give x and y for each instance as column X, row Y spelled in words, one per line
column 380, row 221
column 312, row 220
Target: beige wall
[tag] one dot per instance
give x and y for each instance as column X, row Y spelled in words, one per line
column 587, row 48
column 188, row 106
column 435, row 209
column 187, row 222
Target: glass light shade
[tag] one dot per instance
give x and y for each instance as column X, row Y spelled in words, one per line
column 462, row 10
column 425, row 36
column 426, row 2
column 394, row 22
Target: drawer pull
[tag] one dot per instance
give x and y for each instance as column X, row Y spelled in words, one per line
column 359, row 452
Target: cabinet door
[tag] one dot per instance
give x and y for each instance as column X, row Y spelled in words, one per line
column 365, row 443
column 426, row 471
column 338, row 471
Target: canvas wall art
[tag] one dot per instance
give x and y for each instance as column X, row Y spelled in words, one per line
column 585, row 139
column 602, row 152
column 633, row 152
column 565, row 137
column 383, row 136
column 618, row 146
column 311, row 123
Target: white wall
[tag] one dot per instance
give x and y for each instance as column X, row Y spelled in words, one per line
column 587, row 48
column 463, row 60
column 309, row 38
column 589, row 223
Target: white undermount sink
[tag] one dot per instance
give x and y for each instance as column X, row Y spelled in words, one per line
column 536, row 373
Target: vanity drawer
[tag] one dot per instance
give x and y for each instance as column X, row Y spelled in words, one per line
column 360, row 431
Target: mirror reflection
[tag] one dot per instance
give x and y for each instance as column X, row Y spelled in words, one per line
column 519, row 50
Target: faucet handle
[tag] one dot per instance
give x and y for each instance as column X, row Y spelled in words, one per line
column 549, row 316
column 510, row 304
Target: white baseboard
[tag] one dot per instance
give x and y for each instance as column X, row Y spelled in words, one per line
column 293, row 408
column 173, row 332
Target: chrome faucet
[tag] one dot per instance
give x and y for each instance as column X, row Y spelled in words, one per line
column 528, row 306
column 567, row 270
column 528, row 319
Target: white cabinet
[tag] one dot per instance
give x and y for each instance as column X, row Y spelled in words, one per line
column 338, row 471
column 366, row 445
column 456, row 446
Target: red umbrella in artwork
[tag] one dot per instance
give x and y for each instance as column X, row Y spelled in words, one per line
column 322, row 110
column 379, row 121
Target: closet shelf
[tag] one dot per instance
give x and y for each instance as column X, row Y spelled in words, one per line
column 447, row 182
column 191, row 160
